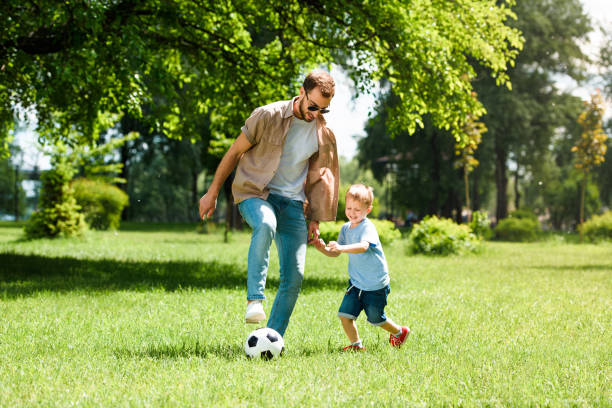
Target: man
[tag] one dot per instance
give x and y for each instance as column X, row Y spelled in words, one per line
column 287, row 169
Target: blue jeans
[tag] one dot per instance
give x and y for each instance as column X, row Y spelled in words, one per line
column 282, row 220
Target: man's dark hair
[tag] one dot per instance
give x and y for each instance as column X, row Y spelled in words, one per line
column 323, row 80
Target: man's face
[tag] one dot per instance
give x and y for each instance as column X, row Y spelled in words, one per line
column 312, row 98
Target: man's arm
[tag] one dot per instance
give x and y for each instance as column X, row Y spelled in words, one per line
column 208, row 202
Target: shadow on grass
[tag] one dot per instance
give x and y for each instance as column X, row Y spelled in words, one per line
column 24, row 275
column 574, row 268
column 227, row 351
column 230, row 352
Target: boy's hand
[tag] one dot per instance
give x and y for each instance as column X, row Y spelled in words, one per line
column 333, row 246
column 319, row 244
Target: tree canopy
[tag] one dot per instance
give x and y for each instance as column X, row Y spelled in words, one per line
column 74, row 62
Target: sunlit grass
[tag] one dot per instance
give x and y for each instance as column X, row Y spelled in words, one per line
column 144, row 318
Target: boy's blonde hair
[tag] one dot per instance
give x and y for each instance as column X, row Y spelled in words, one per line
column 362, row 193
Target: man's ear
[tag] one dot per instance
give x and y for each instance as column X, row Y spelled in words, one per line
column 369, row 209
column 302, row 91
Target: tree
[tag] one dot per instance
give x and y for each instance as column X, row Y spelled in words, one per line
column 591, row 147
column 521, row 123
column 466, row 160
column 12, row 195
column 73, row 61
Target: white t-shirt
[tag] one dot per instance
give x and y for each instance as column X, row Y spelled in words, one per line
column 300, row 144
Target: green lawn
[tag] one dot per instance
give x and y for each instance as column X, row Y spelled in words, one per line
column 145, row 318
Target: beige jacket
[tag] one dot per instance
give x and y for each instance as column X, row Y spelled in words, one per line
column 266, row 129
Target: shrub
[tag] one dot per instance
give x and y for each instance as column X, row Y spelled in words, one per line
column 387, row 232
column 517, row 230
column 480, row 225
column 100, row 202
column 441, row 236
column 524, row 214
column 58, row 215
column 598, row 228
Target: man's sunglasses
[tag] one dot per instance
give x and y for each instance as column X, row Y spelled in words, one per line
column 315, row 108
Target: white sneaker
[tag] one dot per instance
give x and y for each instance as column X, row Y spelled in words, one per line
column 255, row 312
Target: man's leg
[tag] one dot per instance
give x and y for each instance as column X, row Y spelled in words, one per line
column 291, row 236
column 259, row 214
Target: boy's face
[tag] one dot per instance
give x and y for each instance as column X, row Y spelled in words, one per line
column 355, row 210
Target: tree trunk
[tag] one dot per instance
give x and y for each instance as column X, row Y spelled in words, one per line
column 517, row 194
column 467, row 195
column 194, row 195
column 582, row 196
column 16, row 194
column 501, row 182
column 475, row 193
column 124, row 156
column 434, row 204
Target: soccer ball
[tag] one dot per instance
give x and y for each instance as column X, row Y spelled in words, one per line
column 264, row 343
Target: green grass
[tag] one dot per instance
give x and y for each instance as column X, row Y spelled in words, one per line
column 145, row 318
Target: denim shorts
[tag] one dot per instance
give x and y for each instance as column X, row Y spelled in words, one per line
column 372, row 301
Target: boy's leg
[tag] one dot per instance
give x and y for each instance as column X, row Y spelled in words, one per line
column 374, row 305
column 390, row 326
column 291, row 237
column 350, row 328
column 259, row 214
column 348, row 312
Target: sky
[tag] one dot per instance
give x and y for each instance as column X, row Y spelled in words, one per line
column 348, row 115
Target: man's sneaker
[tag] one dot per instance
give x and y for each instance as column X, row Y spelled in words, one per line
column 353, row 347
column 398, row 341
column 255, row 312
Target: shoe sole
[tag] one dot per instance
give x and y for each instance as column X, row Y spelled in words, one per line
column 255, row 319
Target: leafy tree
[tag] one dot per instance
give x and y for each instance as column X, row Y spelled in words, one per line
column 522, row 123
column 74, row 61
column 58, row 214
column 466, row 160
column 12, row 195
column 425, row 179
column 591, row 147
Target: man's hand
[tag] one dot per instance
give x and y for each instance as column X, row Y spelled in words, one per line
column 313, row 232
column 208, row 204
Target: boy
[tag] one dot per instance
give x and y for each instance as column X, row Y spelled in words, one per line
column 368, row 272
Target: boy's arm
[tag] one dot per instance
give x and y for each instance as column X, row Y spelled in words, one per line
column 320, row 245
column 357, row 248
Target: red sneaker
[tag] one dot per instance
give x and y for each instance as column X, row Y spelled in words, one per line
column 353, row 347
column 398, row 341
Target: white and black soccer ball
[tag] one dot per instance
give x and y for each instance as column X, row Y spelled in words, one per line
column 264, row 343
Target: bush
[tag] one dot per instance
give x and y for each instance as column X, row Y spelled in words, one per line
column 441, row 236
column 517, row 230
column 387, row 232
column 598, row 228
column 480, row 225
column 58, row 215
column 524, row 214
column 100, row 202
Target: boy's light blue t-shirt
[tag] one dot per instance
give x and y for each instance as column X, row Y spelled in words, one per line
column 368, row 270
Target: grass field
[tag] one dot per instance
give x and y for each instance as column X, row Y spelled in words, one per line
column 146, row 318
